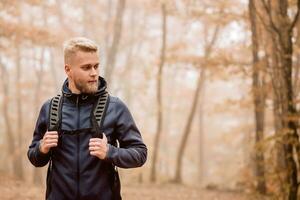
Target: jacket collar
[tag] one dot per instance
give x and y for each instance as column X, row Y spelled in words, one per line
column 81, row 98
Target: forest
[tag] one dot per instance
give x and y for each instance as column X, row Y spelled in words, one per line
column 213, row 87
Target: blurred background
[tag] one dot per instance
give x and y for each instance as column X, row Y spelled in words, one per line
column 212, row 86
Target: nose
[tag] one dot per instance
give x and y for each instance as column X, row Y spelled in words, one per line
column 94, row 72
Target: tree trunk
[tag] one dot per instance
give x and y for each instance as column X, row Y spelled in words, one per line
column 200, row 83
column 37, row 173
column 111, row 56
column 127, row 73
column 201, row 133
column 178, row 174
column 53, row 69
column 159, row 99
column 107, row 29
column 281, row 27
column 288, row 110
column 18, row 165
column 39, row 70
column 259, row 104
column 10, row 140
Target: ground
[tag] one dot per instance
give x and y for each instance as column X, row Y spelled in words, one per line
column 12, row 189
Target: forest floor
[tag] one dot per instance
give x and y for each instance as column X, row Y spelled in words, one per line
column 12, row 189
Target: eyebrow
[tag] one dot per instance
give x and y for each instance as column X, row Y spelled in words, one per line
column 87, row 65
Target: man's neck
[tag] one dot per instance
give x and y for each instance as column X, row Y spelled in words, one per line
column 73, row 88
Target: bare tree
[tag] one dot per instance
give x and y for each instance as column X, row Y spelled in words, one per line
column 39, row 70
column 113, row 50
column 39, row 62
column 201, row 78
column 201, row 131
column 259, row 102
column 159, row 95
column 278, row 23
column 10, row 139
column 18, row 151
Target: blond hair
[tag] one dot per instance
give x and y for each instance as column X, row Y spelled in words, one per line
column 75, row 44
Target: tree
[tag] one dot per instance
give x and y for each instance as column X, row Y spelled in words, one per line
column 113, row 50
column 280, row 26
column 208, row 49
column 11, row 143
column 20, row 129
column 259, row 102
column 159, row 94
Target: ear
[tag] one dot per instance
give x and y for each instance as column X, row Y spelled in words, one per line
column 68, row 70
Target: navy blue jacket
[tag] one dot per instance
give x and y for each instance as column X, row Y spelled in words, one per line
column 75, row 174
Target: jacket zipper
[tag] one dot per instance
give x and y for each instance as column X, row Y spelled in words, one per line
column 78, row 146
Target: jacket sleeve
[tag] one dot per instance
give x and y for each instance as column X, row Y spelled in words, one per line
column 37, row 158
column 132, row 151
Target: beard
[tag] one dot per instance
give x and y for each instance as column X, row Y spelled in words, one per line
column 86, row 87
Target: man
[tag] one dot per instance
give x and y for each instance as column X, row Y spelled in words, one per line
column 81, row 163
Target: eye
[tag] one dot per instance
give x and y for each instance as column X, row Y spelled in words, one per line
column 86, row 67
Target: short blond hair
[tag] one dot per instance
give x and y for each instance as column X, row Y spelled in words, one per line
column 72, row 45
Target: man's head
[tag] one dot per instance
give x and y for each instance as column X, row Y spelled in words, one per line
column 81, row 64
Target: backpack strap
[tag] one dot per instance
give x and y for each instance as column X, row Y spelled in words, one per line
column 53, row 125
column 55, row 112
column 98, row 114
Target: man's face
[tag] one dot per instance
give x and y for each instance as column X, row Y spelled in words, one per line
column 82, row 70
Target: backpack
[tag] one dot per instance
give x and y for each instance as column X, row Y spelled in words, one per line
column 97, row 115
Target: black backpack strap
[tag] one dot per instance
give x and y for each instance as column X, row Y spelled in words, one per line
column 98, row 114
column 53, row 125
column 55, row 113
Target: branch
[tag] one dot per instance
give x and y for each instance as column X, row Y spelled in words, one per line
column 296, row 17
column 269, row 13
column 272, row 27
column 211, row 43
column 262, row 19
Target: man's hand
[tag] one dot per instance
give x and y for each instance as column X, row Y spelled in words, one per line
column 49, row 140
column 98, row 147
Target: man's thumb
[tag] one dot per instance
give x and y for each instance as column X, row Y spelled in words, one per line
column 104, row 137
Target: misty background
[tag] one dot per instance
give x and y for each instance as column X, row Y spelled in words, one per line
column 212, row 86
